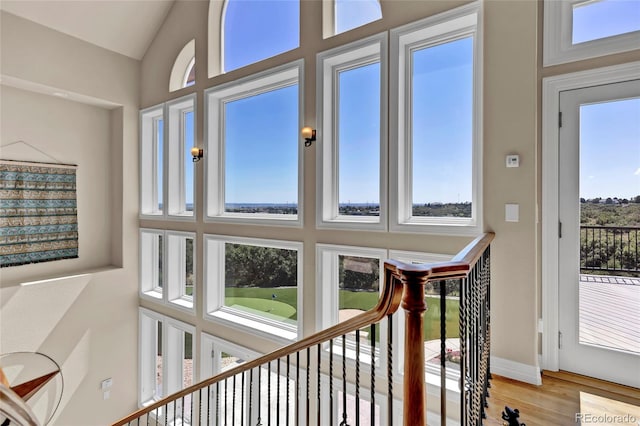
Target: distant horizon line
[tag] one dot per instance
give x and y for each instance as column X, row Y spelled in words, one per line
column 366, row 204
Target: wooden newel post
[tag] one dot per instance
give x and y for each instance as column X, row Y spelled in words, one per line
column 414, row 387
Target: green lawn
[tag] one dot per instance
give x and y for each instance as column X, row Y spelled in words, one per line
column 284, row 306
column 261, row 299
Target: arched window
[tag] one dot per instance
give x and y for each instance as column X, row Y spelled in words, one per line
column 350, row 14
column 190, row 75
column 254, row 30
column 183, row 73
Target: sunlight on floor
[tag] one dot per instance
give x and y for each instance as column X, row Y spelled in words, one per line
column 599, row 410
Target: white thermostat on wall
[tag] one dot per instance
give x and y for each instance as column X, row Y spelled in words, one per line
column 513, row 160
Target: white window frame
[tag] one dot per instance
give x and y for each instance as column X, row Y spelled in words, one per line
column 171, row 294
column 558, row 45
column 215, row 98
column 214, row 290
column 330, row 22
column 174, row 151
column 148, row 261
column 211, row 346
column 327, row 296
column 147, row 346
column 175, row 271
column 449, row 26
column 173, row 332
column 329, row 65
column 182, row 66
column 551, row 88
column 149, row 162
column 176, row 111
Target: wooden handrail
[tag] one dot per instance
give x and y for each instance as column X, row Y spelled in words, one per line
column 404, row 283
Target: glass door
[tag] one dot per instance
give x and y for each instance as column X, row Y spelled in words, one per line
column 599, row 229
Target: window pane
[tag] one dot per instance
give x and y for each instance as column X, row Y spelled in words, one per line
column 228, row 361
column 359, row 285
column 185, row 403
column 190, row 78
column 354, row 13
column 261, row 153
column 159, row 132
column 159, row 360
column 189, row 272
column 160, row 266
column 258, row 29
column 593, row 20
column 187, row 362
column 262, row 281
column 359, row 141
column 442, row 129
column 188, row 162
column 452, row 324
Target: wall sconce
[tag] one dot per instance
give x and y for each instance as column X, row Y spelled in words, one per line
column 197, row 154
column 309, row 135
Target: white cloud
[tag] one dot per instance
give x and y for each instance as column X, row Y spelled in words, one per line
column 637, row 173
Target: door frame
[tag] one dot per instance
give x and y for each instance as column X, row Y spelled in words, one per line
column 551, row 88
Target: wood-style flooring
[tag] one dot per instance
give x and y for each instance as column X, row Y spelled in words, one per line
column 561, row 397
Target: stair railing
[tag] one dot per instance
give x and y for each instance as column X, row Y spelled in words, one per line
column 309, row 390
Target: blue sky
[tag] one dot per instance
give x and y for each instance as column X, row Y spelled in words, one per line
column 262, row 135
column 610, row 149
column 605, row 18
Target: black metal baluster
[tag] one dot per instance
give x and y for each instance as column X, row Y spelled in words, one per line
column 287, row 385
column 344, row 381
column 318, row 388
column 297, row 414
column 373, row 374
column 331, row 382
column 259, row 423
column 358, row 377
column 278, row 393
column 443, row 353
column 390, row 369
column 463, row 350
column 217, row 403
column 250, row 397
column 242, row 401
column 269, row 394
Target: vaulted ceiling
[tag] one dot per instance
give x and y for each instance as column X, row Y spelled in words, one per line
column 123, row 26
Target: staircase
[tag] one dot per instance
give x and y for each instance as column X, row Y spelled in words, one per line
column 348, row 374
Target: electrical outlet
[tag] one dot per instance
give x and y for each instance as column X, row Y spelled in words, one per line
column 106, row 384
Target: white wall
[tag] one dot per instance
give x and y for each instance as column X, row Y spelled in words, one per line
column 73, row 133
column 82, row 312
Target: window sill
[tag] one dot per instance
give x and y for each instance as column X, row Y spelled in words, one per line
column 153, row 295
column 430, row 226
column 257, row 219
column 182, row 304
column 367, row 223
column 253, row 326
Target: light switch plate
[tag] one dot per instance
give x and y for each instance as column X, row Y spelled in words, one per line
column 512, row 212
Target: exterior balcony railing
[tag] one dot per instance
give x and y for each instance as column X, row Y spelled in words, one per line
column 610, row 249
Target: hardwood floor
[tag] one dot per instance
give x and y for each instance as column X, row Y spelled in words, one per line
column 561, row 396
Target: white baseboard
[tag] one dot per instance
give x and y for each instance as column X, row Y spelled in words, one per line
column 516, row 371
